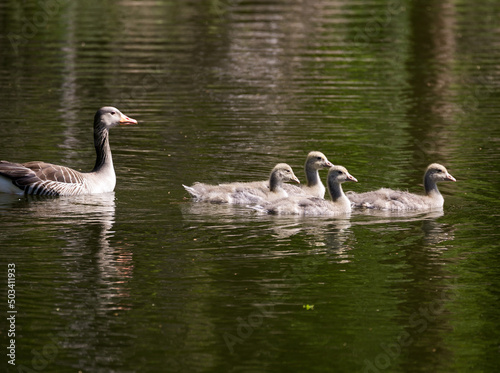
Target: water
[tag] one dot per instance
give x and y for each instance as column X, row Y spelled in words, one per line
column 144, row 280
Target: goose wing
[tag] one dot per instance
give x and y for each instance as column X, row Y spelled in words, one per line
column 52, row 172
column 40, row 177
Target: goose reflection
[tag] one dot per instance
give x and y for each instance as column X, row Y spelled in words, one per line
column 370, row 217
column 331, row 236
column 97, row 264
column 95, row 270
column 283, row 226
column 434, row 231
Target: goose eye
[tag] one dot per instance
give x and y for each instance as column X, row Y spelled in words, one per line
column 318, row 158
column 113, row 112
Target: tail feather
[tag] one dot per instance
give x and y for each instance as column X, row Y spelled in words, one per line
column 191, row 191
column 16, row 177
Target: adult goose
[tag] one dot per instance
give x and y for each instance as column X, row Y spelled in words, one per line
column 40, row 178
column 314, row 206
column 397, row 200
column 245, row 193
column 315, row 161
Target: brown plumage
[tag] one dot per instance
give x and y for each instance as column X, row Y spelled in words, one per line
column 41, row 178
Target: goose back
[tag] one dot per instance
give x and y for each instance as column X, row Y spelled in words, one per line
column 397, row 200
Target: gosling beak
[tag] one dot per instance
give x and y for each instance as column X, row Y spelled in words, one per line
column 351, row 178
column 327, row 164
column 295, row 178
column 450, row 178
column 124, row 120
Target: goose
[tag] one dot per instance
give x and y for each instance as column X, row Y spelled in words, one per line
column 40, row 178
column 245, row 193
column 315, row 161
column 396, row 200
column 303, row 205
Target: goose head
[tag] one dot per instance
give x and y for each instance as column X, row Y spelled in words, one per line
column 108, row 117
column 436, row 172
column 317, row 161
column 339, row 174
column 284, row 173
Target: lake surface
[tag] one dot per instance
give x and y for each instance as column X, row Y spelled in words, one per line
column 145, row 280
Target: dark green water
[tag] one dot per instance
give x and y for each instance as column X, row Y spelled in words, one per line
column 144, row 280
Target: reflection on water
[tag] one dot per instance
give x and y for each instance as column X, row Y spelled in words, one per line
column 282, row 226
column 84, row 224
column 332, row 236
column 90, row 275
column 388, row 215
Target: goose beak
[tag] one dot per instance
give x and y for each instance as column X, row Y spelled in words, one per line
column 328, row 164
column 294, row 178
column 351, row 178
column 450, row 178
column 126, row 120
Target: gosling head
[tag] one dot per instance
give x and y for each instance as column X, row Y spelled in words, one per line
column 317, row 160
column 284, row 172
column 339, row 174
column 437, row 172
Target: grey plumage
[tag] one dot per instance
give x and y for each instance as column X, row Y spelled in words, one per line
column 314, row 206
column 315, row 161
column 239, row 193
column 397, row 200
column 41, row 178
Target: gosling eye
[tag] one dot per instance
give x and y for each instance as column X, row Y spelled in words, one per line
column 319, row 158
column 113, row 112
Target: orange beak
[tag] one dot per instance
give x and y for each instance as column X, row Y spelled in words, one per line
column 126, row 120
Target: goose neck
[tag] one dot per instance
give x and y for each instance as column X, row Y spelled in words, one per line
column 312, row 176
column 103, row 151
column 430, row 186
column 335, row 190
column 274, row 182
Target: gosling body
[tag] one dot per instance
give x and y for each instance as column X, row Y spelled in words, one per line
column 313, row 187
column 397, row 200
column 245, row 193
column 314, row 206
